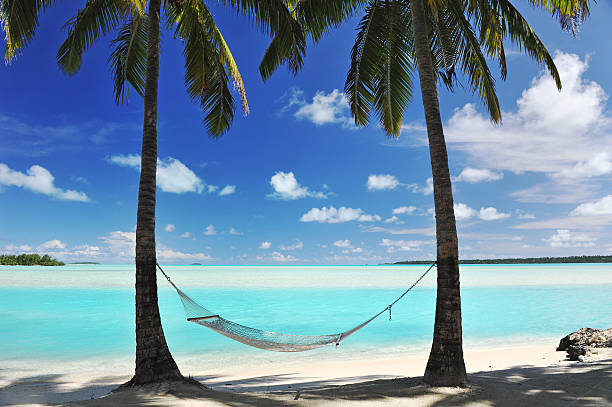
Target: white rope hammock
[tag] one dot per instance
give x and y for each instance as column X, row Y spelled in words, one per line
column 267, row 340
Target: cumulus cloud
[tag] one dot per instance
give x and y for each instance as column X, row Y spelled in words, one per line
column 286, row 187
column 463, row 212
column 393, row 219
column 602, row 206
column 474, row 175
column 210, row 230
column 330, row 108
column 565, row 238
column 227, row 190
column 265, row 245
column 282, row 258
column 39, row 180
column 381, row 182
column 233, row 231
column 491, row 213
column 570, row 126
column 404, row 210
column 402, row 245
column 185, row 235
column 52, row 244
column 170, row 227
column 296, row 246
column 343, row 243
column 599, row 164
column 172, row 175
column 340, row 215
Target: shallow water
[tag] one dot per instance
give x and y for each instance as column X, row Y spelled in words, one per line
column 78, row 312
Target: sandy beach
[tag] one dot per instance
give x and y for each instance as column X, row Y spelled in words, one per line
column 526, row 375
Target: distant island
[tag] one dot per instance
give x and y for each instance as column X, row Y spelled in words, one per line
column 29, row 260
column 196, row 264
column 528, row 260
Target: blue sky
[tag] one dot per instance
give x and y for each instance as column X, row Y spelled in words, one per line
column 295, row 182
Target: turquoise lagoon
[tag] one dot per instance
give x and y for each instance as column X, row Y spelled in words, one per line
column 86, row 311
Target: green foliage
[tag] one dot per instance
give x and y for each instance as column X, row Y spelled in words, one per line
column 529, row 260
column 28, row 260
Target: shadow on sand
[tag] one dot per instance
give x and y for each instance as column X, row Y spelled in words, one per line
column 587, row 384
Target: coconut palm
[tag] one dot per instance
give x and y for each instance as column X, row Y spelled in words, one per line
column 134, row 61
column 437, row 39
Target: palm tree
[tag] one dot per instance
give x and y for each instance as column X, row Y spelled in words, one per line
column 135, row 61
column 436, row 38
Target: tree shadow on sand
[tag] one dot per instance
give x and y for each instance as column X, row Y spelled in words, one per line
column 588, row 385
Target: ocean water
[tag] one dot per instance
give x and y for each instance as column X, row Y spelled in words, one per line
column 87, row 311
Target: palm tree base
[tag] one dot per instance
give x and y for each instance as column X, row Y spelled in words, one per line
column 160, row 384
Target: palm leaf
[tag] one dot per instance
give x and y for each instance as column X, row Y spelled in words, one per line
column 96, row 19
column 128, row 59
column 206, row 61
column 19, row 19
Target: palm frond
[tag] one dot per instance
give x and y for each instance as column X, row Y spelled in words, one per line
column 95, row 20
column 359, row 85
column 206, row 61
column 470, row 57
column 19, row 20
column 276, row 19
column 128, row 59
column 393, row 88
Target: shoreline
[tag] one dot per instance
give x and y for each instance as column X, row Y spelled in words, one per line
column 86, row 379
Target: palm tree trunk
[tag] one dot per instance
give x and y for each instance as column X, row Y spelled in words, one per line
column 445, row 366
column 154, row 363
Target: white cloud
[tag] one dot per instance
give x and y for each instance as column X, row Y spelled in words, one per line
column 210, row 230
column 402, row 245
column 474, row 175
column 283, row 258
column 211, row 188
column 127, row 160
column 463, row 212
column 599, row 164
column 52, row 244
column 331, row 108
column 524, row 215
column 120, row 244
column 343, row 243
column 172, row 175
column 233, row 231
column 381, row 182
column 491, row 213
column 558, row 133
column 265, row 245
column 565, row 238
column 286, row 187
column 39, row 180
column 404, row 210
column 570, row 222
column 296, row 246
column 340, row 215
column 227, row 190
column 170, row 254
column 600, row 207
column 428, row 188
column 185, row 235
column 392, row 219
column 170, row 227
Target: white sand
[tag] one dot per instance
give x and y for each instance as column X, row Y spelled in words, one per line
column 529, row 375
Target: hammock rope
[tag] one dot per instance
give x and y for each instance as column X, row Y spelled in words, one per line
column 267, row 340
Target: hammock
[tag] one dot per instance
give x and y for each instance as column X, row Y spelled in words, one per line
column 272, row 341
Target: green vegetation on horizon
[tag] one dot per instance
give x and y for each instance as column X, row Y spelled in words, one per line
column 527, row 260
column 29, row 260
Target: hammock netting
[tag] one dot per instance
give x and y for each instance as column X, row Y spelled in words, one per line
column 267, row 340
